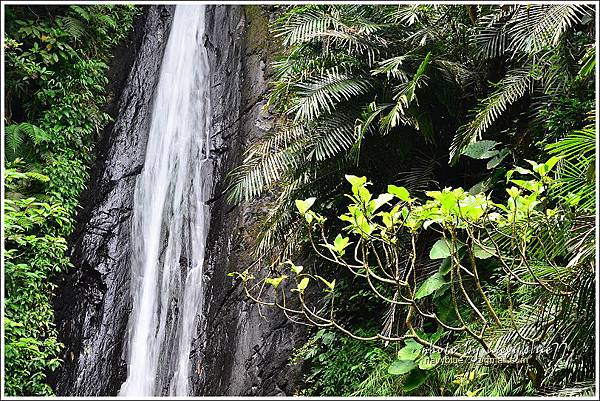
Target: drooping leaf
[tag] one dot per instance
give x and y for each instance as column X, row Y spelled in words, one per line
column 330, row 284
column 482, row 253
column 414, row 380
column 381, row 200
column 275, row 281
column 427, row 362
column 303, row 284
column 410, row 351
column 442, row 249
column 304, row 205
column 430, row 285
column 481, row 150
column 493, row 162
column 400, row 367
column 445, row 266
column 400, row 192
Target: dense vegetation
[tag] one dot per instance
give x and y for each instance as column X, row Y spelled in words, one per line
column 465, row 263
column 434, row 172
column 55, row 91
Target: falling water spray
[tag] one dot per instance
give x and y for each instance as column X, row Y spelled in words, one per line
column 170, row 218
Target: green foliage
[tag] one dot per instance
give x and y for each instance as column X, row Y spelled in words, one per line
column 337, row 364
column 35, row 251
column 55, row 74
column 351, row 75
column 361, row 90
column 514, row 273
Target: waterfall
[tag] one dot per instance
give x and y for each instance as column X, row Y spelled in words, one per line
column 170, row 219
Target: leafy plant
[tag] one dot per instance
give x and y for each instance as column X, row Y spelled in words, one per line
column 460, row 313
column 55, row 74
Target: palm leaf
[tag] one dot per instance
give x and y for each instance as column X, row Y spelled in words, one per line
column 320, row 94
column 535, row 27
column 511, row 88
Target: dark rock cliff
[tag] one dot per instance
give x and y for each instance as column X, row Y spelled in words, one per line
column 236, row 351
column 243, row 353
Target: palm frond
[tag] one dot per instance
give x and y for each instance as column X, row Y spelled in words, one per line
column 259, row 171
column 405, row 95
column 535, row 27
column 511, row 88
column 333, row 136
column 321, row 94
column 492, row 32
column 576, row 174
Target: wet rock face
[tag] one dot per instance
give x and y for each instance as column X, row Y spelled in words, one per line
column 235, row 351
column 92, row 305
column 242, row 352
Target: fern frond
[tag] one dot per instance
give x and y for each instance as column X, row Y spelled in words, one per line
column 35, row 133
column 73, row 26
column 13, row 139
column 81, row 12
column 17, row 136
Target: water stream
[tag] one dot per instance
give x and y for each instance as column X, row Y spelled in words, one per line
column 170, row 219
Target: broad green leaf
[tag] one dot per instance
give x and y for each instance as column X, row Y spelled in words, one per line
column 414, row 380
column 410, row 351
column 446, row 266
column 441, row 249
column 481, row 150
column 358, row 186
column 497, row 159
column 387, row 220
column 304, row 205
column 400, row 192
column 531, row 185
column 381, row 200
column 427, row 362
column 513, row 192
column 400, row 367
column 430, row 285
column 363, row 193
column 364, row 227
column 549, row 165
column 482, row 253
column 340, row 243
column 356, row 181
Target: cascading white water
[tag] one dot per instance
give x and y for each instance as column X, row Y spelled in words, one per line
column 170, row 218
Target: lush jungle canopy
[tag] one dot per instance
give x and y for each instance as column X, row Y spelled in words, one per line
column 441, row 161
column 433, row 176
